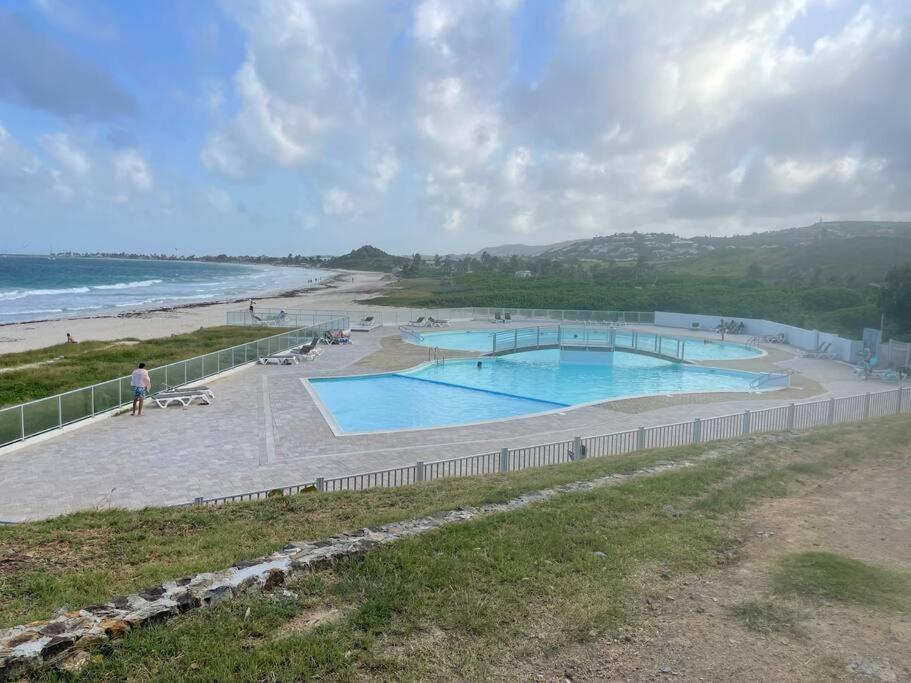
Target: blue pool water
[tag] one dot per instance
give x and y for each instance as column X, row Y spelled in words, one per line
column 457, row 392
column 694, row 349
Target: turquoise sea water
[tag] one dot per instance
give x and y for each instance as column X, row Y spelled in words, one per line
column 38, row 287
column 458, row 391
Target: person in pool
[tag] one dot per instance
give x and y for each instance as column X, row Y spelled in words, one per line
column 141, row 384
column 480, row 365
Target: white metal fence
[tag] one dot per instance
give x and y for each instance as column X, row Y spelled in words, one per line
column 403, row 316
column 23, row 421
column 794, row 416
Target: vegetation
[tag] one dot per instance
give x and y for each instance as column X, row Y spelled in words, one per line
column 826, row 576
column 368, row 258
column 453, row 603
column 768, row 616
column 29, row 375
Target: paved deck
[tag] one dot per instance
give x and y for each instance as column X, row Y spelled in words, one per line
column 264, row 431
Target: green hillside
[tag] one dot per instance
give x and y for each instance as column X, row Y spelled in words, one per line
column 368, row 258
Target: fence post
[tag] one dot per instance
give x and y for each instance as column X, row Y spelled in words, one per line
column 93, row 400
column 640, row 439
column 745, row 427
column 22, row 422
column 830, row 419
column 697, row 430
column 867, row 405
column 898, row 403
column 504, row 460
column 577, row 448
column 59, row 410
column 419, row 470
column 320, row 484
column 792, row 413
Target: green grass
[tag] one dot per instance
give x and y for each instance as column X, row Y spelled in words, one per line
column 67, row 366
column 767, row 616
column 456, row 602
column 827, row 576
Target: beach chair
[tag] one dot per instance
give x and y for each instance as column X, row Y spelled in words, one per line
column 417, row 323
column 822, row 351
column 278, row 359
column 309, row 351
column 366, row 324
column 497, row 318
column 184, row 396
column 435, row 322
column 507, row 318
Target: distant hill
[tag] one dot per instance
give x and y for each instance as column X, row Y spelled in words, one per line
column 507, row 250
column 826, row 250
column 368, row 258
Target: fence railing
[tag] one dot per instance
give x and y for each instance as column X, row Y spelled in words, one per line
column 586, row 337
column 23, row 421
column 791, row 417
column 403, row 316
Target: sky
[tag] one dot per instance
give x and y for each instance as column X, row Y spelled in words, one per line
column 444, row 126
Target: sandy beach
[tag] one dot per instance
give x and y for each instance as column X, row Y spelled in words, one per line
column 343, row 292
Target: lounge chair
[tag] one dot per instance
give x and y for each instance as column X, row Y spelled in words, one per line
column 308, row 351
column 435, row 322
column 497, row 318
column 822, row 351
column 507, row 318
column 417, row 323
column 366, row 324
column 184, row 396
column 278, row 359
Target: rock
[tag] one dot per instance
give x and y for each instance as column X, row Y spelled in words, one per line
column 153, row 612
column 115, row 628
column 274, row 578
column 54, row 628
column 152, row 594
column 20, row 638
column 73, row 661
column 599, row 554
column 185, row 601
column 881, row 671
column 216, row 594
column 671, row 511
column 58, row 644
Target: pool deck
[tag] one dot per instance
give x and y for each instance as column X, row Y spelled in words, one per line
column 263, row 431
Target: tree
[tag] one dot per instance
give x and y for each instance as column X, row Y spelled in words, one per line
column 895, row 297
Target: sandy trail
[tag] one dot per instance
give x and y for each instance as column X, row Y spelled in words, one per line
column 343, row 293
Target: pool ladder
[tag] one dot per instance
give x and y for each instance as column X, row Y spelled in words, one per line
column 435, row 355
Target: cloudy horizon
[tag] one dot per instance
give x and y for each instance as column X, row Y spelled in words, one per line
column 317, row 126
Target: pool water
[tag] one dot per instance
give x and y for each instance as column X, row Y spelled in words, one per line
column 458, row 392
column 694, row 349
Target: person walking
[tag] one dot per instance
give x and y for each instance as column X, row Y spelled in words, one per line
column 141, row 384
column 251, row 309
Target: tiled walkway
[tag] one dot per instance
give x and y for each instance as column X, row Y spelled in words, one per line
column 264, row 431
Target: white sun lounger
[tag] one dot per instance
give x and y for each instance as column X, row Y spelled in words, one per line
column 184, row 397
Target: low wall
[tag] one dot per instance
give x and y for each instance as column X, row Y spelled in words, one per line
column 808, row 340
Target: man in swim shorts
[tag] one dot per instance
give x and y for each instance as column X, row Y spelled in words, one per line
column 141, row 384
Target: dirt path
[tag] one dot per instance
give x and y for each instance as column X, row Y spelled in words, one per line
column 684, row 629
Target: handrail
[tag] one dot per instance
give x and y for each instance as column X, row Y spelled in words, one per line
column 769, row 376
column 417, row 336
column 103, row 397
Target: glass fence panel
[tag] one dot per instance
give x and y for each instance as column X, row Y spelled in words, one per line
column 40, row 416
column 107, row 396
column 194, row 369
column 75, row 405
column 165, row 376
column 10, row 425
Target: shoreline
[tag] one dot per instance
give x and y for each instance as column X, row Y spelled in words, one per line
column 138, row 312
column 338, row 292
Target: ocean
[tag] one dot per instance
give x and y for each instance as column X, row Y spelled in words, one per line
column 41, row 288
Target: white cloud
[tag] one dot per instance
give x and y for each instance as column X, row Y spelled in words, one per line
column 133, row 171
column 337, row 202
column 64, row 152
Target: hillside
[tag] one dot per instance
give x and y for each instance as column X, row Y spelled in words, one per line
column 862, row 249
column 368, row 258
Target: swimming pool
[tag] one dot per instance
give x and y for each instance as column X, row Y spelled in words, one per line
column 458, row 392
column 694, row 349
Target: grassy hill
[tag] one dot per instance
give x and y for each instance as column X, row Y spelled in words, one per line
column 368, row 258
column 576, row 572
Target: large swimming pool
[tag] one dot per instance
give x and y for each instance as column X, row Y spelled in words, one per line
column 458, row 392
column 694, row 349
